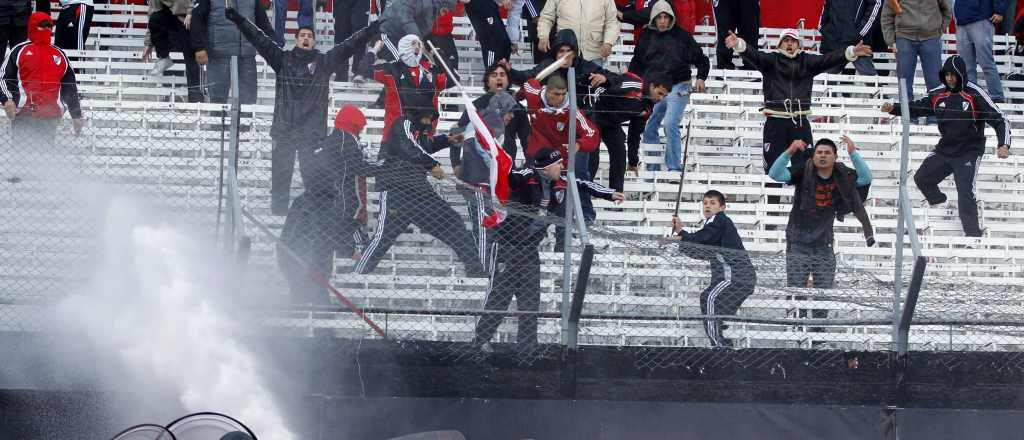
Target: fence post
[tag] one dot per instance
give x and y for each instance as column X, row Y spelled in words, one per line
column 235, row 244
column 897, row 281
column 570, row 198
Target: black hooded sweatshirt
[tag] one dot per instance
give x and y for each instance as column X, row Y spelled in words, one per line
column 583, row 68
column 303, row 79
column 961, row 111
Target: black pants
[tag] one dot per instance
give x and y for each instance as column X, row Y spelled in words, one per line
column 11, row 36
column 936, row 168
column 741, row 16
column 314, row 230
column 426, row 209
column 722, row 297
column 531, row 37
column 636, row 132
column 349, row 16
column 478, row 205
column 72, row 27
column 817, row 261
column 168, row 34
column 516, row 274
column 614, row 140
column 282, row 166
column 490, row 31
column 778, row 133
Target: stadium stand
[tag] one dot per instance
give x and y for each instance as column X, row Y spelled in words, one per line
column 141, row 133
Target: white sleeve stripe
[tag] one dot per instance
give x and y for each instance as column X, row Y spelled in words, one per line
column 15, row 52
column 988, row 99
column 408, row 133
column 596, row 187
column 874, row 13
column 583, row 123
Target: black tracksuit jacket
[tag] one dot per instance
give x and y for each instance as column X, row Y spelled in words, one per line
column 672, row 53
column 302, row 85
column 722, row 248
column 406, row 156
column 961, row 111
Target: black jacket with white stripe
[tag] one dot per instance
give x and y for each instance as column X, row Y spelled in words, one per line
column 720, row 244
column 406, row 156
column 961, row 111
column 846, row 22
column 526, row 225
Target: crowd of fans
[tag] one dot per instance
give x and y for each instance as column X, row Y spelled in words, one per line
column 407, row 45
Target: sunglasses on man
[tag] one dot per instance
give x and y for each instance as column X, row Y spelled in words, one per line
column 46, row 24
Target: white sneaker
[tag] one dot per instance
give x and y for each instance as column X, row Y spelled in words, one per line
column 161, row 66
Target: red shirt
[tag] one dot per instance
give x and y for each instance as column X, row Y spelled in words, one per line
column 446, row 22
column 550, row 125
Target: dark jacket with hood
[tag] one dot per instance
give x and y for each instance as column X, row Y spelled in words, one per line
column 412, row 17
column 722, row 247
column 845, row 22
column 788, row 82
column 673, row 52
column 331, row 170
column 961, row 111
column 584, row 68
column 302, row 84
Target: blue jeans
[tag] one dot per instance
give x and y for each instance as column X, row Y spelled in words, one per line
column 907, row 53
column 281, row 14
column 218, row 74
column 669, row 112
column 974, row 44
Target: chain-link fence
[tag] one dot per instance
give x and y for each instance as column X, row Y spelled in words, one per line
column 370, row 244
column 61, row 191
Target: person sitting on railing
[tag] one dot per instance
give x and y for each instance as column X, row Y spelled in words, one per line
column 166, row 31
column 323, row 220
column 962, row 109
column 823, row 191
column 407, row 198
column 666, row 49
column 788, row 83
column 534, row 192
column 301, row 94
column 38, row 84
column 732, row 274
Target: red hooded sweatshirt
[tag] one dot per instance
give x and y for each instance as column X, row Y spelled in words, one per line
column 38, row 77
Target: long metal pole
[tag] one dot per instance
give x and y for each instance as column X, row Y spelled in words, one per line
column 570, row 200
column 232, row 226
column 897, row 282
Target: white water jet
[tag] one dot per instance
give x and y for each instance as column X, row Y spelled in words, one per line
column 162, row 334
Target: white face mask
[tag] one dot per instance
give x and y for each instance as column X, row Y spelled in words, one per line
column 409, row 55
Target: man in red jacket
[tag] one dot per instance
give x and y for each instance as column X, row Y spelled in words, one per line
column 548, row 108
column 38, row 83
